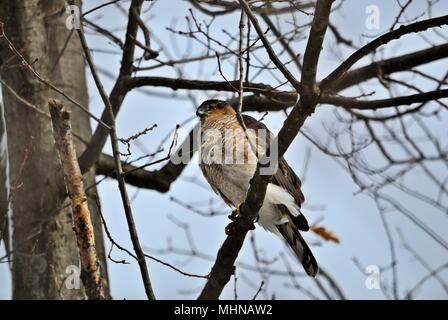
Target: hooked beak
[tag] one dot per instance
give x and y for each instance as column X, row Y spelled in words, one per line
column 200, row 112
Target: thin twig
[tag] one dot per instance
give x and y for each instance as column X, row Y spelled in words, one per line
column 258, row 291
column 227, row 254
column 45, row 81
column 119, row 172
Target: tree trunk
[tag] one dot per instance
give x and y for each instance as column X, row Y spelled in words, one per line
column 4, row 170
column 45, row 255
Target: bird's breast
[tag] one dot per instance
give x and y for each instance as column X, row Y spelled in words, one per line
column 227, row 160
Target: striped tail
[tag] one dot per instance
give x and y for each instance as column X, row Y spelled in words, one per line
column 300, row 248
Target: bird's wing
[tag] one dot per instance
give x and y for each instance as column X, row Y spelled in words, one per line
column 289, row 181
column 284, row 177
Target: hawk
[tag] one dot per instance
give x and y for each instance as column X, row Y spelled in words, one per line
column 280, row 212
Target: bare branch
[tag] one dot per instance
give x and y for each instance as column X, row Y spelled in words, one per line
column 119, row 172
column 91, row 275
column 419, row 26
column 159, row 180
column 118, row 93
column 223, row 267
column 352, row 103
column 294, row 82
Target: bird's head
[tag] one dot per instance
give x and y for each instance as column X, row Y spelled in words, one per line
column 217, row 108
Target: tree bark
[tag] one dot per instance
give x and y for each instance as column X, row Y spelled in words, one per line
column 44, row 244
column 90, row 268
column 4, row 192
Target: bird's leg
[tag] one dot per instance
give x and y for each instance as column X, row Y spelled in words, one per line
column 236, row 214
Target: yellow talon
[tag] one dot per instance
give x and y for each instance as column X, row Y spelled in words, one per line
column 237, row 210
column 236, row 213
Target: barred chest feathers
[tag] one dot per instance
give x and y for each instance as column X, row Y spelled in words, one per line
column 232, row 179
column 226, row 152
